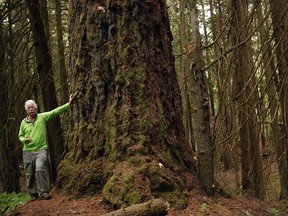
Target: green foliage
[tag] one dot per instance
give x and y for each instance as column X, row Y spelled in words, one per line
column 202, row 209
column 9, row 201
column 275, row 211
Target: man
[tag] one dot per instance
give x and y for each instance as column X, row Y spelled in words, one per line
column 32, row 134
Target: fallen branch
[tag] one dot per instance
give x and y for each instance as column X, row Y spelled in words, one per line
column 150, row 208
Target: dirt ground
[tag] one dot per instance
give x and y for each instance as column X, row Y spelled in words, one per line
column 199, row 204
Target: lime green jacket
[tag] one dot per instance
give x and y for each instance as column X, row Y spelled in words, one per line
column 37, row 130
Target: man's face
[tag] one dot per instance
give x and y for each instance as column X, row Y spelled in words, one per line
column 31, row 110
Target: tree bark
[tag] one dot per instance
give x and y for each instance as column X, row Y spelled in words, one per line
column 61, row 53
column 280, row 35
column 127, row 111
column 183, row 75
column 43, row 10
column 223, row 122
column 9, row 174
column 200, row 113
column 252, row 176
column 44, row 63
column 270, row 68
column 280, row 28
column 155, row 207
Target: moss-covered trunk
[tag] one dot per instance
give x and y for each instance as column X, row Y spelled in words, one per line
column 127, row 115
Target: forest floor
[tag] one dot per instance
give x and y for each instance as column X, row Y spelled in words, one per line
column 199, row 204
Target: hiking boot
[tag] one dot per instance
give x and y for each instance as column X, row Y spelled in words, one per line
column 45, row 196
column 33, row 197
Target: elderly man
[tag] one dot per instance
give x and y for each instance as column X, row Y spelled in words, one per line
column 32, row 134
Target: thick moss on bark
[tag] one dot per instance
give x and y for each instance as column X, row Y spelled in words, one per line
column 79, row 179
column 132, row 183
column 127, row 115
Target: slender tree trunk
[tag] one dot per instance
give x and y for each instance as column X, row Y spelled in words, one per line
column 200, row 107
column 280, row 27
column 128, row 139
column 270, row 69
column 44, row 63
column 9, row 174
column 61, row 53
column 43, row 9
column 252, row 177
column 184, row 77
column 223, row 148
column 210, row 76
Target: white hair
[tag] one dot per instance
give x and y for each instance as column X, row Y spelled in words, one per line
column 29, row 103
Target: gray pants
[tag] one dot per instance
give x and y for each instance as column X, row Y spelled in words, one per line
column 35, row 164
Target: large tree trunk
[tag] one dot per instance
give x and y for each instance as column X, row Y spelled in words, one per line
column 127, row 112
column 44, row 63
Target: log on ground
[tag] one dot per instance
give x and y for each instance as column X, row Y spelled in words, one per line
column 155, row 207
